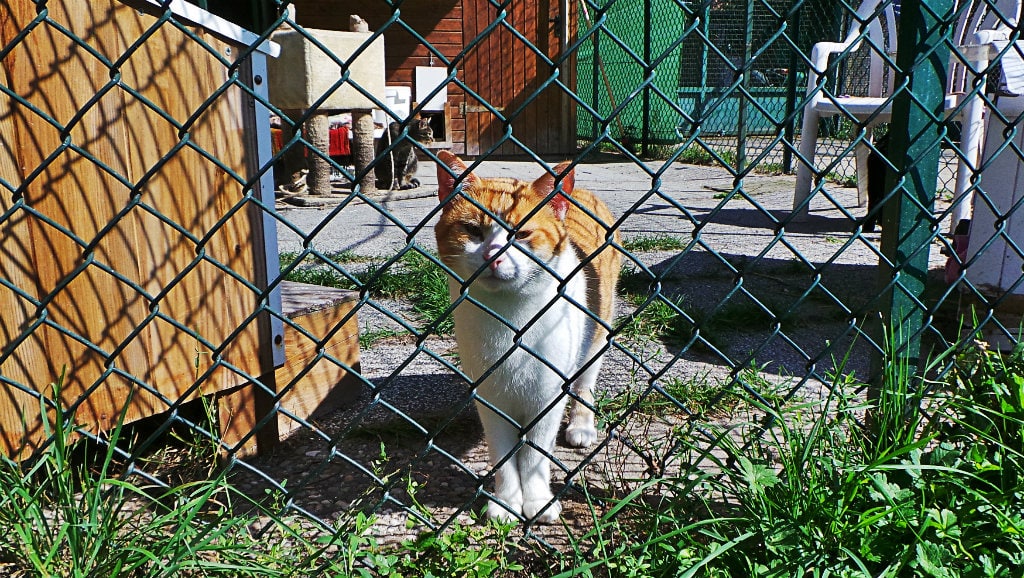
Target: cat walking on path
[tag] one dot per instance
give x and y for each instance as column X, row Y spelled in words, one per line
column 535, row 286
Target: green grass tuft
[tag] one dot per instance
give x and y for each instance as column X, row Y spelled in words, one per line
column 654, row 243
column 414, row 276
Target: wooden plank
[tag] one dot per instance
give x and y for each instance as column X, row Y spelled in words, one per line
column 236, row 420
column 63, row 80
column 198, row 294
column 327, row 316
column 541, row 73
column 470, row 73
column 21, row 362
column 522, row 70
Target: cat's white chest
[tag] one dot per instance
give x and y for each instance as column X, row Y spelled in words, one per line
column 527, row 349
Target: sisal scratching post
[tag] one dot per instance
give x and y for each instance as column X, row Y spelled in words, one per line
column 362, row 130
column 319, row 178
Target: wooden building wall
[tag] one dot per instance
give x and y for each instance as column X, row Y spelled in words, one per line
column 114, row 237
column 499, row 67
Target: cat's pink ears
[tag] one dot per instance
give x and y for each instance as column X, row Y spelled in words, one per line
column 446, row 177
column 546, row 184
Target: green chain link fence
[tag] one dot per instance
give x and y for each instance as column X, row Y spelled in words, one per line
column 727, row 292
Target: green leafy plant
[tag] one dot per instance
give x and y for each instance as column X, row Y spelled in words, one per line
column 654, row 243
column 930, row 485
column 475, row 550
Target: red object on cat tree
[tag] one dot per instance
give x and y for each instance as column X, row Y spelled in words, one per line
column 340, row 145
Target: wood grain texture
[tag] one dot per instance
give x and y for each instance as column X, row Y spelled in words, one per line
column 126, row 245
column 321, row 318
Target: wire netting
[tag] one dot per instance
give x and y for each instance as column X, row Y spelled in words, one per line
column 683, row 116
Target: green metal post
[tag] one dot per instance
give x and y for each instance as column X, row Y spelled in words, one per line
column 916, row 133
column 791, row 87
column 596, row 87
column 741, row 117
column 648, row 70
column 702, row 94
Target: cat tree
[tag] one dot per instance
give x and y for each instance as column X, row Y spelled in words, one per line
column 305, row 76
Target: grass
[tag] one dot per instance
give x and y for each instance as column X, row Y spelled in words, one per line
column 75, row 510
column 848, row 181
column 930, row 486
column 414, row 277
column 697, row 394
column 654, row 243
column 819, row 493
column 67, row 518
column 667, row 316
column 698, row 155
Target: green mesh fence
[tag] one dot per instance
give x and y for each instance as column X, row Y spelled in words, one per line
column 173, row 248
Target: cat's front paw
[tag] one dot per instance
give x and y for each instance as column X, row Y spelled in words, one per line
column 548, row 516
column 502, row 513
column 581, row 436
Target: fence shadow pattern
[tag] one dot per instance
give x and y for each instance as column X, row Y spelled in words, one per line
column 136, row 222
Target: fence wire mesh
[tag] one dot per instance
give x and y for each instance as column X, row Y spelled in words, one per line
column 166, row 250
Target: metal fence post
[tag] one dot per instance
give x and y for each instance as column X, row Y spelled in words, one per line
column 791, row 88
column 648, row 73
column 741, row 117
column 916, row 133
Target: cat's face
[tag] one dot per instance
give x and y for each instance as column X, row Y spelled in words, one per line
column 423, row 131
column 495, row 233
column 419, row 130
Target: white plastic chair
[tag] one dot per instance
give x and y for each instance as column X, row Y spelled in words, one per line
column 978, row 24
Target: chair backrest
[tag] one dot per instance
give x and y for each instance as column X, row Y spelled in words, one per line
column 980, row 22
column 878, row 25
column 882, row 31
column 978, row 15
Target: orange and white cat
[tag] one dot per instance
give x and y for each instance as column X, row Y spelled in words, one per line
column 536, row 279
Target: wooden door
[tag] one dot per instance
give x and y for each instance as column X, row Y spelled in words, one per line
column 508, row 70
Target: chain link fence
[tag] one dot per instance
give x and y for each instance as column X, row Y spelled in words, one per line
column 150, row 263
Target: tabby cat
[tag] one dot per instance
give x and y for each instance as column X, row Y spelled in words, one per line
column 534, row 321
column 397, row 170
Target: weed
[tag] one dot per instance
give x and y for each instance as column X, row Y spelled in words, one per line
column 699, row 155
column 698, row 394
column 369, row 336
column 660, row 152
column 661, row 318
column 654, row 243
column 65, row 518
column 769, row 169
column 848, row 181
column 815, row 492
column 345, row 256
column 475, row 550
column 414, row 276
